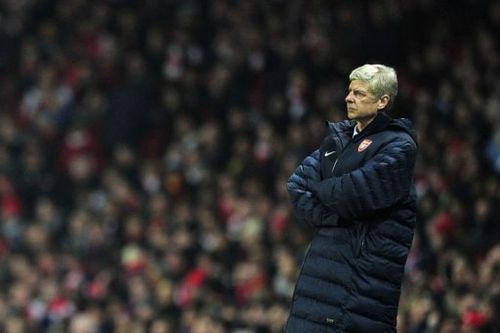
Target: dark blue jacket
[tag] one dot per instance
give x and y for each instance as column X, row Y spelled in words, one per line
column 359, row 195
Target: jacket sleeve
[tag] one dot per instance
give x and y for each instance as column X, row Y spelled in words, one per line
column 309, row 210
column 381, row 183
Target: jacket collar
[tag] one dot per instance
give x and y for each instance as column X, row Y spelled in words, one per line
column 343, row 129
column 379, row 123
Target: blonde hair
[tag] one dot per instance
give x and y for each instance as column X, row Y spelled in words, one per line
column 381, row 80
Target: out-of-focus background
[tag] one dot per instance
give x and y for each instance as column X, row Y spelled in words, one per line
column 145, row 147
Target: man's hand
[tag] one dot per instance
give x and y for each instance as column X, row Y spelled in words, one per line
column 308, row 208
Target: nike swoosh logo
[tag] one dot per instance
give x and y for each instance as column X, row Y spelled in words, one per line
column 328, row 153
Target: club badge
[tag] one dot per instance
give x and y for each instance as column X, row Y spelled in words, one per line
column 364, row 144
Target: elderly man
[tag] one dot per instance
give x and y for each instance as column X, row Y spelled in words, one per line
column 357, row 191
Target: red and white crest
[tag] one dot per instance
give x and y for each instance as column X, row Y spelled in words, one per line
column 364, row 144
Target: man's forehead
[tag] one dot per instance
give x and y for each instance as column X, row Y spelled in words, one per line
column 358, row 84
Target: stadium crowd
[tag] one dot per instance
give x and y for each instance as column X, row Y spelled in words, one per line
column 145, row 148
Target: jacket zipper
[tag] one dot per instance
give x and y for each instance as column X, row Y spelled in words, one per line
column 335, row 164
column 362, row 236
column 340, row 149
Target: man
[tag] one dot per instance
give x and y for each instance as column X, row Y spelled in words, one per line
column 357, row 191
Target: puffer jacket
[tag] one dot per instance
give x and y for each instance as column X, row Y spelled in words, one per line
column 358, row 193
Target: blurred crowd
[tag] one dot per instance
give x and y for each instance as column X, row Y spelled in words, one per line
column 145, row 147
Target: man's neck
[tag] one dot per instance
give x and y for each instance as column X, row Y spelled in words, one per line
column 362, row 123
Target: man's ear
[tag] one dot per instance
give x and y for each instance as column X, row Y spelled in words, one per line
column 383, row 102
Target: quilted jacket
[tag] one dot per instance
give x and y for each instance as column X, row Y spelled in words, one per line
column 358, row 194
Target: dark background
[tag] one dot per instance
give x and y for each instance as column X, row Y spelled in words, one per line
column 145, row 148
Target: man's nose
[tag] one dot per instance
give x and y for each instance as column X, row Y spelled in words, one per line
column 348, row 98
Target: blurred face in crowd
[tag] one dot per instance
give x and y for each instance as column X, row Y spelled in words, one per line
column 362, row 105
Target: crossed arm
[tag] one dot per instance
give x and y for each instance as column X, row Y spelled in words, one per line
column 379, row 184
column 309, row 210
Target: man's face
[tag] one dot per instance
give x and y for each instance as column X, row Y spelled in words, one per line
column 362, row 105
